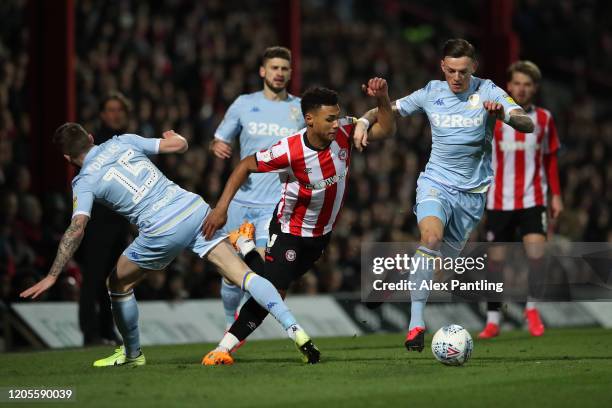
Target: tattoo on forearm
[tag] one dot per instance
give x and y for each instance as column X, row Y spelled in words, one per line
column 522, row 123
column 68, row 245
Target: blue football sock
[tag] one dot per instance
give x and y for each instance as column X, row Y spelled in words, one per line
column 417, row 307
column 125, row 313
column 268, row 297
column 231, row 295
column 419, row 296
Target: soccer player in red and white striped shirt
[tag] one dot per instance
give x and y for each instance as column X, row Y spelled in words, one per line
column 525, row 166
column 313, row 166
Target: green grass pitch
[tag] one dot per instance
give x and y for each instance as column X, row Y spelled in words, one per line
column 564, row 368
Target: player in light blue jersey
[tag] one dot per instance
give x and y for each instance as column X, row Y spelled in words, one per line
column 451, row 192
column 259, row 120
column 119, row 174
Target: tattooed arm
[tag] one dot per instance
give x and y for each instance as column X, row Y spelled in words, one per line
column 517, row 118
column 520, row 121
column 68, row 245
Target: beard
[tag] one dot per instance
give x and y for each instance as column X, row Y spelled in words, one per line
column 273, row 88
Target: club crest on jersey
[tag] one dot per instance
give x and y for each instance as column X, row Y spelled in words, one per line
column 342, row 154
column 295, row 113
column 290, row 255
column 473, row 101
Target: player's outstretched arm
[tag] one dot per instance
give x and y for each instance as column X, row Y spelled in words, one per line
column 385, row 119
column 517, row 118
column 371, row 117
column 172, row 142
column 218, row 216
column 68, row 245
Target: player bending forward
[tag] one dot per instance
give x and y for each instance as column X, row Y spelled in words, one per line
column 119, row 174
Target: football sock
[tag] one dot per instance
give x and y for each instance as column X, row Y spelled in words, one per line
column 254, row 261
column 250, row 318
column 292, row 330
column 245, row 245
column 268, row 297
column 125, row 312
column 417, row 308
column 424, row 273
column 537, row 277
column 228, row 342
column 493, row 316
column 231, row 295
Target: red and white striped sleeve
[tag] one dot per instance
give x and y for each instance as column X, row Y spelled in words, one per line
column 275, row 159
column 551, row 139
column 346, row 126
column 550, row 148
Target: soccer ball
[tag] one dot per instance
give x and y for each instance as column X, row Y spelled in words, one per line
column 452, row 345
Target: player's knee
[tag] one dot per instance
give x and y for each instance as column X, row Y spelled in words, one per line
column 431, row 240
column 115, row 284
column 111, row 280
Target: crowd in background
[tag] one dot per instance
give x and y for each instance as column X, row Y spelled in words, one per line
column 181, row 63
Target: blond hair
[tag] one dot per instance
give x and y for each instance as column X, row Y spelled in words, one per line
column 525, row 67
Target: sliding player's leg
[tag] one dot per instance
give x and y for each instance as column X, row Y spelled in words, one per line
column 288, row 258
column 248, row 233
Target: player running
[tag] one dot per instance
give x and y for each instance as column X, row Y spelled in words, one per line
column 260, row 119
column 451, row 192
column 119, row 174
column 524, row 164
column 313, row 167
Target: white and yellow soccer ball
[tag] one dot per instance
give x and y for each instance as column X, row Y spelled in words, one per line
column 452, row 345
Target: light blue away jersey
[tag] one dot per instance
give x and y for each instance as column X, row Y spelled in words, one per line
column 119, row 174
column 260, row 123
column 462, row 131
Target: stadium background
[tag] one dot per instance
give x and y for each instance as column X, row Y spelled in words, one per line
column 181, row 63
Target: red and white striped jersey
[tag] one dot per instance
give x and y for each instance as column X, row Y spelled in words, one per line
column 518, row 163
column 314, row 182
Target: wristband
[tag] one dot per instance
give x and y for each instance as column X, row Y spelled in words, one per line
column 365, row 122
column 507, row 117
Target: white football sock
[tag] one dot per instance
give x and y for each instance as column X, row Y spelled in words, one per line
column 245, row 245
column 291, row 330
column 228, row 342
column 493, row 316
